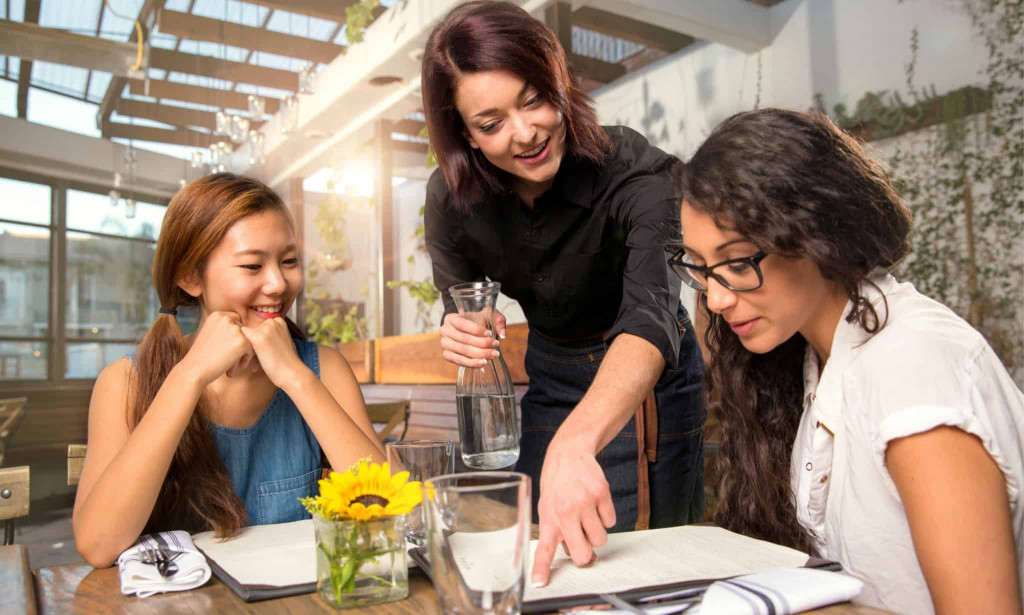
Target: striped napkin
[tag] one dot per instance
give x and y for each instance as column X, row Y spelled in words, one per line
column 144, row 580
column 779, row 592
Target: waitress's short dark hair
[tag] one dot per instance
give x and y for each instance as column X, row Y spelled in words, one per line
column 485, row 36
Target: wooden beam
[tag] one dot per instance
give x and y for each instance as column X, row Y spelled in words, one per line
column 25, row 67
column 559, row 18
column 117, row 84
column 410, row 146
column 190, row 138
column 648, row 35
column 192, row 64
column 199, row 95
column 584, row 67
column 408, row 127
column 197, row 28
column 333, row 10
column 169, row 114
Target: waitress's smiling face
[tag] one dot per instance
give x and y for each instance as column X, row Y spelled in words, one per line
column 517, row 130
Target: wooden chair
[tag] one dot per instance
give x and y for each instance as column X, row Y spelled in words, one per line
column 390, row 413
column 11, row 412
column 14, row 498
column 76, row 458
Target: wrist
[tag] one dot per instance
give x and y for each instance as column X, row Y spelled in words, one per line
column 188, row 378
column 299, row 380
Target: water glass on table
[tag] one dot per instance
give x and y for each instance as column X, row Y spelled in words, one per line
column 424, row 459
column 478, row 531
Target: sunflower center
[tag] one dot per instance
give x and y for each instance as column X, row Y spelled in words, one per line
column 370, row 499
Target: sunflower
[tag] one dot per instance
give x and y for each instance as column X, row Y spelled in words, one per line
column 367, row 492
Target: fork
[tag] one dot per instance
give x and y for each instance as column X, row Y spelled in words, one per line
column 159, row 557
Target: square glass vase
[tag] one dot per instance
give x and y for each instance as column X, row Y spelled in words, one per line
column 361, row 562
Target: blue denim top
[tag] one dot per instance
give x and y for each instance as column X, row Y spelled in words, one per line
column 275, row 460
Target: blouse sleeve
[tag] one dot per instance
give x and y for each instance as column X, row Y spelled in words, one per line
column 446, row 243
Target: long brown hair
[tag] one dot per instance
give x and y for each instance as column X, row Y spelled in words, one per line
column 498, row 36
column 196, row 494
column 793, row 184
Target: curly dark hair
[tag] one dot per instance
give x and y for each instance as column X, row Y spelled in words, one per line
column 794, row 184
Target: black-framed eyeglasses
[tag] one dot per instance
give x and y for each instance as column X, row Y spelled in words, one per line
column 739, row 274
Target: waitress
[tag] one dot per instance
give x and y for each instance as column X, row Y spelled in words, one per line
column 572, row 219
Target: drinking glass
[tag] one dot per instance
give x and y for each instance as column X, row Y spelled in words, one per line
column 478, row 530
column 424, row 459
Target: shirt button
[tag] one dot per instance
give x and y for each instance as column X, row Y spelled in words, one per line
column 539, row 277
column 528, row 234
column 551, row 313
column 809, row 466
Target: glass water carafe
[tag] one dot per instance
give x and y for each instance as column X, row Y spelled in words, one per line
column 485, row 397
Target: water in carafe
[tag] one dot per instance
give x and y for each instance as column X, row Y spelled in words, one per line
column 488, row 427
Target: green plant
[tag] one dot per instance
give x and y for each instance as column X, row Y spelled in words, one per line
column 963, row 180
column 357, row 17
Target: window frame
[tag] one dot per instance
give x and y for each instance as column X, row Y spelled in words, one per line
column 57, row 340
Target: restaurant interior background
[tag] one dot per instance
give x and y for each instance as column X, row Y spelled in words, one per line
column 107, row 108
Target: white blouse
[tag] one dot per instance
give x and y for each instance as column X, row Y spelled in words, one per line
column 926, row 368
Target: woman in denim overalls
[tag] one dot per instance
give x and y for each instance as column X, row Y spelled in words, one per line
column 572, row 219
column 222, row 428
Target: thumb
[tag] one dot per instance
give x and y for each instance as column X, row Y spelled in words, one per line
column 546, row 545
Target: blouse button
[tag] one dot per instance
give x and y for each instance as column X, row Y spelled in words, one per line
column 809, row 466
column 539, row 277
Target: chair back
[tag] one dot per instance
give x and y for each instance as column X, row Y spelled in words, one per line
column 76, row 459
column 14, row 498
column 390, row 413
column 11, row 412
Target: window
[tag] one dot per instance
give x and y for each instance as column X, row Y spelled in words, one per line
column 103, row 300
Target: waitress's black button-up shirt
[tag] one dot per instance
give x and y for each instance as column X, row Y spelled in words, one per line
column 589, row 257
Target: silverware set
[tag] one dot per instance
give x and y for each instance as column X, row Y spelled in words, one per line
column 162, row 558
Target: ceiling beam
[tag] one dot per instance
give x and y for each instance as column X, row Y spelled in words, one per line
column 197, row 28
column 168, row 114
column 31, row 42
column 199, row 95
column 193, row 64
column 190, row 138
column 648, row 35
column 333, row 10
column 25, row 67
column 738, row 24
column 117, row 84
column 408, row 127
column 584, row 67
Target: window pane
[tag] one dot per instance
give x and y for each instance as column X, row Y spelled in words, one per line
column 109, row 287
column 88, row 211
column 24, row 201
column 23, row 360
column 24, row 280
column 88, row 359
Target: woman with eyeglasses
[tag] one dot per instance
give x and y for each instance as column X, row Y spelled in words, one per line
column 570, row 217
column 863, row 421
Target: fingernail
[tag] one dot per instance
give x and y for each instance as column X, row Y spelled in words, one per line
column 538, row 584
column 502, row 335
column 495, row 354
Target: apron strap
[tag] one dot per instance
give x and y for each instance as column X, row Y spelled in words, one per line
column 646, row 420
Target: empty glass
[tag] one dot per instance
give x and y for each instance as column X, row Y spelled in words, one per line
column 424, row 459
column 478, row 530
column 484, row 396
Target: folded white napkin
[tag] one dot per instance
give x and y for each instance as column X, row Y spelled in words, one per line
column 144, row 580
column 783, row 591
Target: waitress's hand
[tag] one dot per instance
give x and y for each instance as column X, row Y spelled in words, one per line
column 275, row 351
column 575, row 506
column 219, row 348
column 468, row 343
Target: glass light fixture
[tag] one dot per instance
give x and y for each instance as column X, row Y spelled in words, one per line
column 197, row 159
column 117, row 179
column 181, row 183
column 129, row 208
column 307, row 79
column 256, row 155
column 115, row 198
column 257, row 108
column 223, row 124
column 290, row 115
column 239, row 128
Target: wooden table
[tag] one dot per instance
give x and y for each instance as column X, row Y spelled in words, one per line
column 78, row 588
